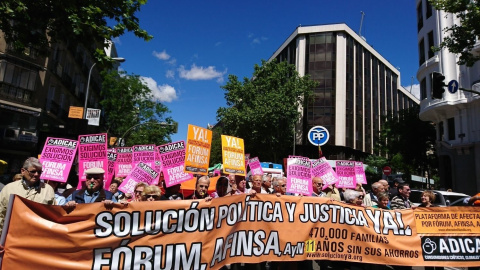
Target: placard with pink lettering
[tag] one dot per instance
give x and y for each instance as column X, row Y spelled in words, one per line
column 360, row 176
column 145, row 154
column 92, row 153
column 322, row 169
column 298, row 175
column 57, row 158
column 172, row 156
column 123, row 165
column 140, row 173
column 346, row 174
column 255, row 166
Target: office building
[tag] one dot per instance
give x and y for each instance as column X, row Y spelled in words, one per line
column 356, row 87
column 456, row 115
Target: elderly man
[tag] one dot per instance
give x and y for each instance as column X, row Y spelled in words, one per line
column 317, row 186
column 280, row 186
column 29, row 187
column 371, row 198
column 257, row 184
column 93, row 190
column 267, row 183
column 201, row 188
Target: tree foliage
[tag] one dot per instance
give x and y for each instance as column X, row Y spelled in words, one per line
column 408, row 142
column 26, row 23
column 463, row 36
column 131, row 110
column 264, row 110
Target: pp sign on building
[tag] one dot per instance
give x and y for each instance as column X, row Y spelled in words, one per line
column 233, row 155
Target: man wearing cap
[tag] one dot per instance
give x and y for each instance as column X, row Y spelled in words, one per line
column 93, row 190
column 29, row 187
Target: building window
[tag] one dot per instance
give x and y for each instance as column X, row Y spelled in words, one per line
column 423, row 89
column 419, row 16
column 429, row 10
column 421, row 52
column 430, row 44
column 451, row 129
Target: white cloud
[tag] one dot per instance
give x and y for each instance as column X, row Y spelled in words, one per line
column 170, row 74
column 414, row 90
column 200, row 73
column 173, row 62
column 117, row 40
column 161, row 55
column 218, row 44
column 162, row 93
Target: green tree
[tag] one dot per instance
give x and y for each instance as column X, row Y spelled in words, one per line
column 36, row 23
column 264, row 110
column 128, row 105
column 216, row 149
column 463, row 36
column 374, row 168
column 408, row 142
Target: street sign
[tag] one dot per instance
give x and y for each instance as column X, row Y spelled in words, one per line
column 318, row 135
column 387, row 170
column 453, row 86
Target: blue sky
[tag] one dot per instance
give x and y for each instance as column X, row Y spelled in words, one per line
column 197, row 44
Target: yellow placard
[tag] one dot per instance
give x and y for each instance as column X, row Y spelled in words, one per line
column 112, row 141
column 197, row 154
column 75, row 112
column 233, row 155
column 445, row 220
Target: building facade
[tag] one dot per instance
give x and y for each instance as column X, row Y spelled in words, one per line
column 35, row 95
column 455, row 114
column 356, row 87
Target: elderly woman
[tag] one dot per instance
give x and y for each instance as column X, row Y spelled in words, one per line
column 151, row 193
column 353, row 197
column 383, row 200
column 427, row 199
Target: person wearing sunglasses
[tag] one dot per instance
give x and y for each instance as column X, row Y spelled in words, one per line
column 151, row 193
column 353, row 197
column 92, row 192
column 29, row 187
column 280, row 186
column 317, row 186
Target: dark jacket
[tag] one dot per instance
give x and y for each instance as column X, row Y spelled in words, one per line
column 77, row 196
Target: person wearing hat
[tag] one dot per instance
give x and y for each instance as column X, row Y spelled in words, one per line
column 29, row 187
column 93, row 190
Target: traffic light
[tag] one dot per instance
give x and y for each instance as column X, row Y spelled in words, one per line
column 437, row 85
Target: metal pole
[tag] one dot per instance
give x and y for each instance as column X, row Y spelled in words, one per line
column 86, row 93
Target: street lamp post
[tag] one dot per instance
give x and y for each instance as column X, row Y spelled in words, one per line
column 118, row 59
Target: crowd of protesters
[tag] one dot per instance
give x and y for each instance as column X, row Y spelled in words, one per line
column 28, row 184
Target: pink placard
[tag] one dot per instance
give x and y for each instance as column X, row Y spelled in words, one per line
column 255, row 166
column 298, row 175
column 123, row 165
column 57, row 157
column 322, row 169
column 172, row 156
column 110, row 173
column 92, row 153
column 360, row 176
column 145, row 154
column 346, row 174
column 140, row 173
column 158, row 166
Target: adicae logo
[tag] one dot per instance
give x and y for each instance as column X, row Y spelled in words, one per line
column 429, row 246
